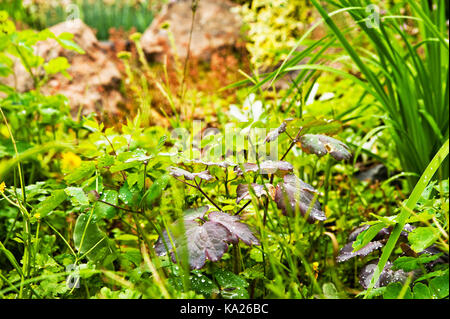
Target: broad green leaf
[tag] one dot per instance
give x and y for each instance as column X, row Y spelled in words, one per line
column 90, row 240
column 102, row 210
column 330, row 291
column 58, row 65
column 85, row 170
column 232, row 286
column 125, row 194
column 439, row 285
column 421, row 291
column 77, row 195
column 411, row 263
column 155, row 191
column 422, row 237
column 393, row 291
column 203, row 285
column 50, row 203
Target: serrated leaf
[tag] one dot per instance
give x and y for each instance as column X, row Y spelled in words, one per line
column 323, row 144
column 232, row 286
column 295, row 194
column 178, row 172
column 206, row 241
column 237, row 229
column 266, row 167
column 77, row 195
column 228, row 279
column 203, row 285
column 387, row 275
column 243, row 192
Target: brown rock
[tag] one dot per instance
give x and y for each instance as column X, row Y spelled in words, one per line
column 95, row 78
column 215, row 27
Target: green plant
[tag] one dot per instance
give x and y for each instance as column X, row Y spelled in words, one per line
column 272, row 27
column 416, row 96
column 99, row 15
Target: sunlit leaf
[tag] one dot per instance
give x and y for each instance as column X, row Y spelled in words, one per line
column 322, row 145
column 267, row 167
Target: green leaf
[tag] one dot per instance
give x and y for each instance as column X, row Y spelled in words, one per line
column 125, row 194
column 77, row 195
column 421, row 291
column 330, row 291
column 439, row 285
column 393, row 291
column 232, row 286
column 58, row 65
column 203, row 285
column 85, row 170
column 90, row 240
column 50, row 203
column 102, row 210
column 155, row 191
column 65, row 40
column 411, row 263
column 422, row 237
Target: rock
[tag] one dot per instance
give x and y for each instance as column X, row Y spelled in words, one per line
column 216, row 26
column 95, row 78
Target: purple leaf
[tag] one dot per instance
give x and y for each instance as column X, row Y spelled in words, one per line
column 387, row 276
column 323, row 144
column 207, row 241
column 243, row 191
column 177, row 172
column 223, row 164
column 273, row 135
column 347, row 251
column 237, row 229
column 294, row 193
column 267, row 167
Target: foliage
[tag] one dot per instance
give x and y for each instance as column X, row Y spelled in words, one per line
column 272, row 27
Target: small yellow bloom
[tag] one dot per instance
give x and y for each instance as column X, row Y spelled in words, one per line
column 2, row 187
column 70, row 161
column 315, row 266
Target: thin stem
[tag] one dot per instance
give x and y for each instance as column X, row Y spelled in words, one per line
column 204, row 194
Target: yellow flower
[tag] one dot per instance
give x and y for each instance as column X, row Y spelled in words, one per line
column 2, row 187
column 315, row 266
column 70, row 161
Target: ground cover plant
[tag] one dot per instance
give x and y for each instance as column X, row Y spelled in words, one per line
column 314, row 166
